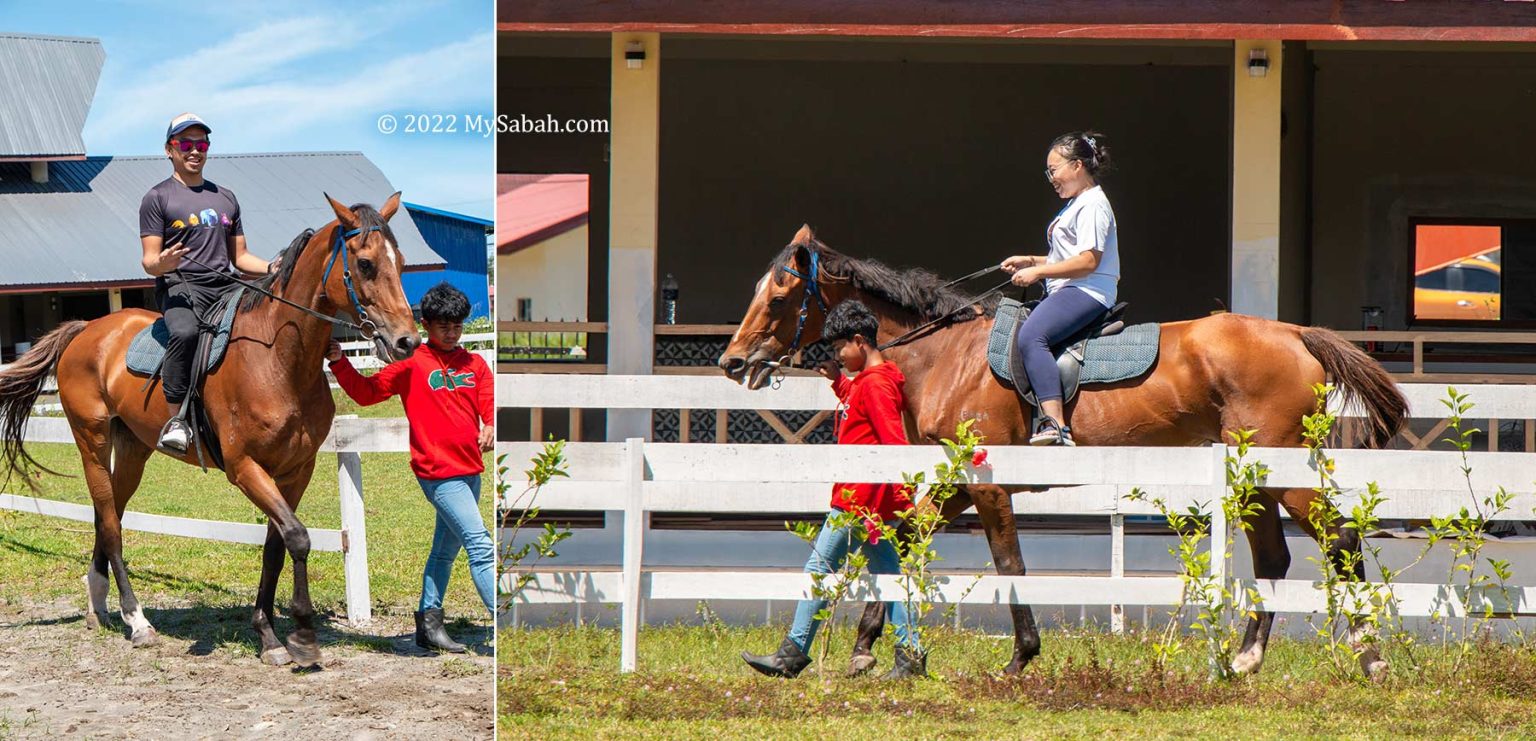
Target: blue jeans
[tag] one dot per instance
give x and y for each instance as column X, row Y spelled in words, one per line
column 1061, row 315
column 827, row 555
column 457, row 501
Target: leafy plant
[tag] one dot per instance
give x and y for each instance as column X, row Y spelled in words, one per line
column 518, row 512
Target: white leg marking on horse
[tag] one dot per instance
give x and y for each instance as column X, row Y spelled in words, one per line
column 1249, row 660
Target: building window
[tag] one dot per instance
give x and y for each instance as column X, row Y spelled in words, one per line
column 1461, row 268
column 525, row 309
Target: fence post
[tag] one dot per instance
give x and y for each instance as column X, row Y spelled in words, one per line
column 1116, row 564
column 354, row 537
column 634, row 532
column 1219, row 522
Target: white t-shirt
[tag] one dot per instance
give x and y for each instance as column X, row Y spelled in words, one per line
column 1086, row 223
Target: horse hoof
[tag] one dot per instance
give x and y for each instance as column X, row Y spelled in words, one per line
column 276, row 657
column 93, row 620
column 145, row 638
column 305, row 655
column 1247, row 663
column 860, row 664
column 1375, row 671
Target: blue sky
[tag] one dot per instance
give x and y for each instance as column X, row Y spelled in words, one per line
column 279, row 75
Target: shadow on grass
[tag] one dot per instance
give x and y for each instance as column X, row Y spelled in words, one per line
column 146, row 576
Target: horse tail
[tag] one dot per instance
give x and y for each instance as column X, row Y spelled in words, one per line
column 1362, row 380
column 20, row 385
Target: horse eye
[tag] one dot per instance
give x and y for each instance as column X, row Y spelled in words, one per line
column 777, row 303
column 365, row 266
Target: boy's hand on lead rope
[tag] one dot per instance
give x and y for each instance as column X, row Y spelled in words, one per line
column 829, row 369
column 333, row 351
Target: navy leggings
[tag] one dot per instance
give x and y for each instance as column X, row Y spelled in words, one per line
column 1061, row 315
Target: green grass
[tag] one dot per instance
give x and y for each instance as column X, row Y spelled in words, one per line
column 43, row 558
column 564, row 682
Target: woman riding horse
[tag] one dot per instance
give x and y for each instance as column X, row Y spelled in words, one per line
column 1081, row 272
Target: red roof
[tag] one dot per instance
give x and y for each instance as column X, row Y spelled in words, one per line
column 533, row 208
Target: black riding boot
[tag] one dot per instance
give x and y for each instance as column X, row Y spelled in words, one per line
column 787, row 662
column 431, row 635
column 909, row 664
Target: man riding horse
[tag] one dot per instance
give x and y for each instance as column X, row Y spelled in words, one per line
column 191, row 233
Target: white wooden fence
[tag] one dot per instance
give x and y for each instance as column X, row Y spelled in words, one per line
column 349, row 439
column 639, row 477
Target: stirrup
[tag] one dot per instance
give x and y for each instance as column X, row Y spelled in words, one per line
column 1050, row 433
column 168, row 444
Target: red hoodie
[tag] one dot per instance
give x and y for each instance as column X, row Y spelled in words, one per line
column 447, row 395
column 872, row 403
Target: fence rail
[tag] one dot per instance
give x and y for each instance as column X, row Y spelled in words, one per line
column 349, row 439
column 639, row 478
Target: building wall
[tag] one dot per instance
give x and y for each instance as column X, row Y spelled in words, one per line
column 462, row 245
column 553, row 273
column 1399, row 134
column 937, row 162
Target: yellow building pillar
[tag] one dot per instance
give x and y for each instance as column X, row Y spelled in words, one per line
column 1256, row 178
column 634, row 163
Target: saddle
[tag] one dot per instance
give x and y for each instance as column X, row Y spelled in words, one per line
column 146, row 357
column 1104, row 352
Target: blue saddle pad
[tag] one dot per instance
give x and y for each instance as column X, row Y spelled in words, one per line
column 147, row 350
column 1117, row 357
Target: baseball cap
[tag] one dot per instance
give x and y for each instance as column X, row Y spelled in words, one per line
column 183, row 122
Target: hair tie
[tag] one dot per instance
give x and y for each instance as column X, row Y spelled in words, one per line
column 1092, row 145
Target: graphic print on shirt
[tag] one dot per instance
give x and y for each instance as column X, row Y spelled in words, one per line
column 440, row 379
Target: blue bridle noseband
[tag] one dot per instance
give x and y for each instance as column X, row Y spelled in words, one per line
column 812, row 290
column 365, row 326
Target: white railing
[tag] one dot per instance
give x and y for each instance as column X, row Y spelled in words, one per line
column 638, row 478
column 349, row 439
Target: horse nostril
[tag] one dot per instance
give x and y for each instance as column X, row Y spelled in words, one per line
column 408, row 343
column 732, row 363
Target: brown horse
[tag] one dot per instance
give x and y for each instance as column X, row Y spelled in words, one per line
column 268, row 404
column 1213, row 375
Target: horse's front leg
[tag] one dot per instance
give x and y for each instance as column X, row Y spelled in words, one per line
column 266, row 495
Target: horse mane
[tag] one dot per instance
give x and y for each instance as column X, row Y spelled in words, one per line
column 367, row 215
column 917, row 290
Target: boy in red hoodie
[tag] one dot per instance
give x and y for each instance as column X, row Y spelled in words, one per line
column 448, row 394
column 872, row 403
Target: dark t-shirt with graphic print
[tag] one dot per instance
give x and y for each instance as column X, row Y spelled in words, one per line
column 202, row 219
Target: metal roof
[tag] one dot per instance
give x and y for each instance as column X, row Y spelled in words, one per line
column 82, row 226
column 48, row 83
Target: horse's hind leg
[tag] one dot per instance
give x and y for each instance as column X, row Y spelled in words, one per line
column 1271, row 560
column 112, row 480
column 1344, row 555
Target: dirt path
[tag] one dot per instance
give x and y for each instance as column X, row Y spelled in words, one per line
column 203, row 680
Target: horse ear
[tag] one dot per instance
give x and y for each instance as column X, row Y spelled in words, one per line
column 343, row 214
column 804, row 236
column 390, row 206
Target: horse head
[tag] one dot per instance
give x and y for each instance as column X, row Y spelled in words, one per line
column 366, row 280
column 787, row 311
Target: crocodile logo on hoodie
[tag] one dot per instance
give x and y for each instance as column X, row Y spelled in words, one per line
column 449, row 380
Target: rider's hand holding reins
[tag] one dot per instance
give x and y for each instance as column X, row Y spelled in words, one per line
column 1026, row 276
column 1013, row 264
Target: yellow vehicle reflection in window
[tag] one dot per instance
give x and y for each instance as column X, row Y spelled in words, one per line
column 1468, row 289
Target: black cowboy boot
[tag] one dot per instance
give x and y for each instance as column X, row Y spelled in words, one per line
column 431, row 635
column 909, row 664
column 787, row 662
